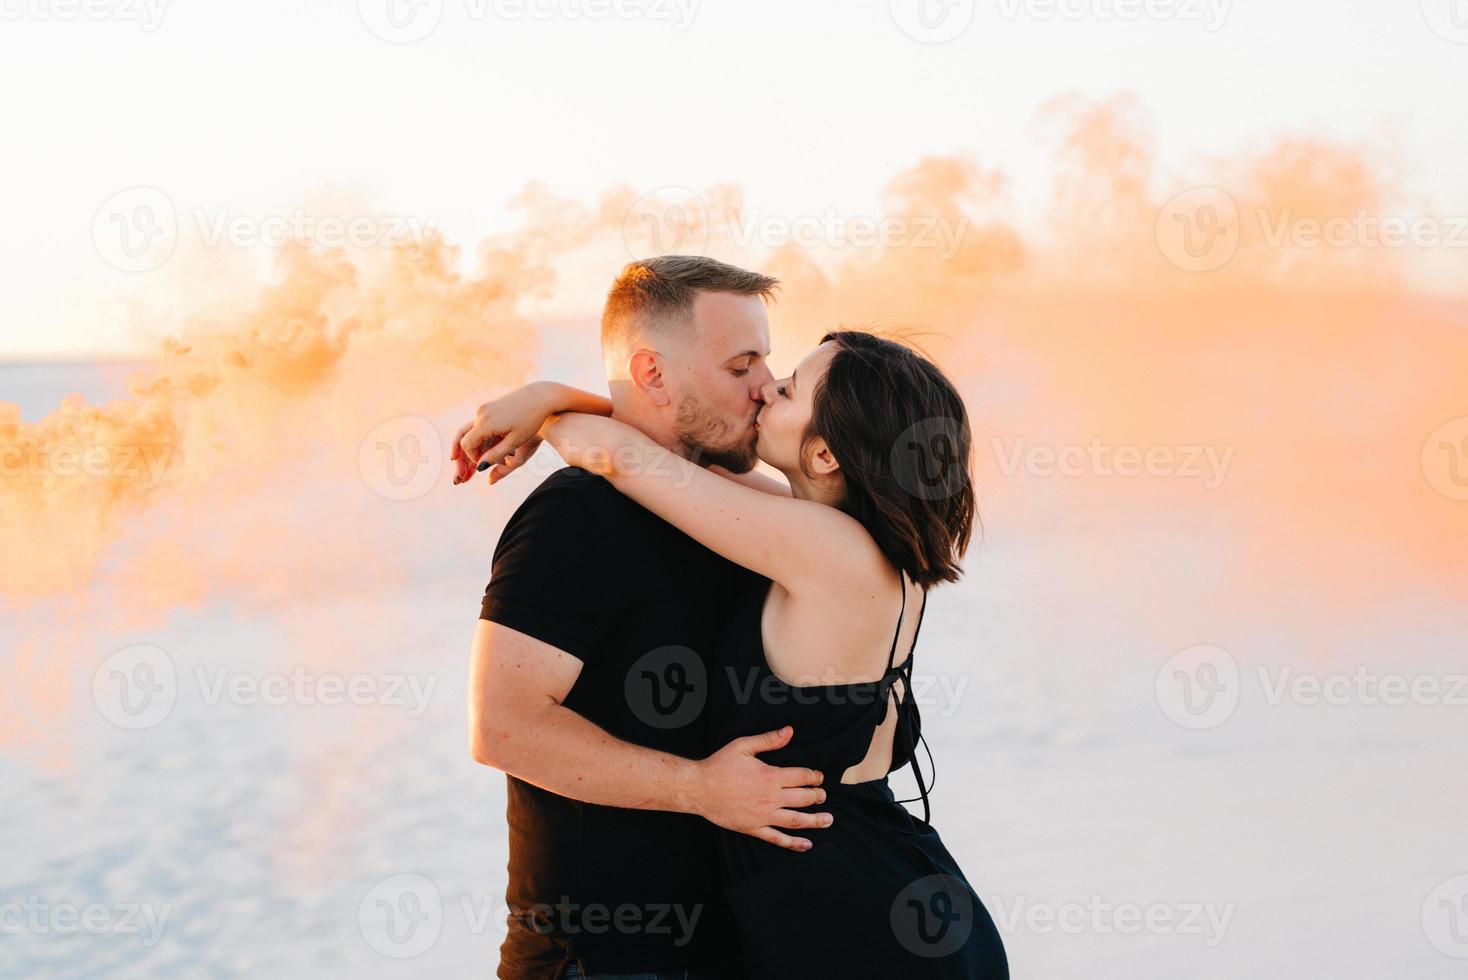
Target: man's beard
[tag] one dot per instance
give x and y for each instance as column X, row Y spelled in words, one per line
column 709, row 440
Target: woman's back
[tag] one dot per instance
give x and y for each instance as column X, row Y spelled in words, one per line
column 878, row 895
column 848, row 711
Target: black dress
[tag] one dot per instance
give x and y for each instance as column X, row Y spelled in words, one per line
column 878, row 895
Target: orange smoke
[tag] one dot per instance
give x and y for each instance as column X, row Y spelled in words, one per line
column 333, row 347
column 1316, row 373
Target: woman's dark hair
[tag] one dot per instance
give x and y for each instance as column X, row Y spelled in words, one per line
column 899, row 429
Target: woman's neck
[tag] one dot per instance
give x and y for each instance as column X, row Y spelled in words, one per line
column 831, row 492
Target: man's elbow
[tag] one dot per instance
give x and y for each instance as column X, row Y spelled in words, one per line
column 492, row 744
column 481, row 751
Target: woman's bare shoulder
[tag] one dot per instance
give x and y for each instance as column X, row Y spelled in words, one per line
column 837, row 635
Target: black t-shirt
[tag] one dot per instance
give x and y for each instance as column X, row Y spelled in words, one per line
column 641, row 605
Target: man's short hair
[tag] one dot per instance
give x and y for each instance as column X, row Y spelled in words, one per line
column 653, row 296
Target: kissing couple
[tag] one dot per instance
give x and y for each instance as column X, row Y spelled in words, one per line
column 697, row 678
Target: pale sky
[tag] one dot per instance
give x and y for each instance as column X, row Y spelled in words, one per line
column 807, row 104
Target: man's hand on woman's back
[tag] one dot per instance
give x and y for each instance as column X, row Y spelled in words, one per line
column 739, row 792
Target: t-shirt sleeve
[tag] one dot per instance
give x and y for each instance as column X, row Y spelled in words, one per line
column 547, row 579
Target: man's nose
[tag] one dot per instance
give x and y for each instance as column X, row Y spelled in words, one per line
column 759, row 390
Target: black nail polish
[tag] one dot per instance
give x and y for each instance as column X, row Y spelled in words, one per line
column 483, row 466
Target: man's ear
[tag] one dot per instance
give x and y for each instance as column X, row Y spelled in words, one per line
column 822, row 460
column 646, row 369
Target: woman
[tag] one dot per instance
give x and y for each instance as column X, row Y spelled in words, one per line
column 875, row 444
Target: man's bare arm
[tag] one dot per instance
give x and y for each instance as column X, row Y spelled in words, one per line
column 518, row 724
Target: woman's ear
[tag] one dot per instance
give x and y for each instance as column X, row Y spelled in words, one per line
column 646, row 369
column 822, row 460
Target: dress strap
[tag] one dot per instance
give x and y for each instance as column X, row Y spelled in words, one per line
column 892, row 653
column 923, row 788
column 915, row 718
column 922, row 610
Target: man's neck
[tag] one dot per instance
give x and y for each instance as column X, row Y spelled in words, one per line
column 651, row 428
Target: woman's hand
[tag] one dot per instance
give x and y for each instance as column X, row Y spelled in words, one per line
column 503, row 434
column 501, row 429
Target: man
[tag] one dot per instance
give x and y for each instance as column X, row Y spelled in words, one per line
column 593, row 652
